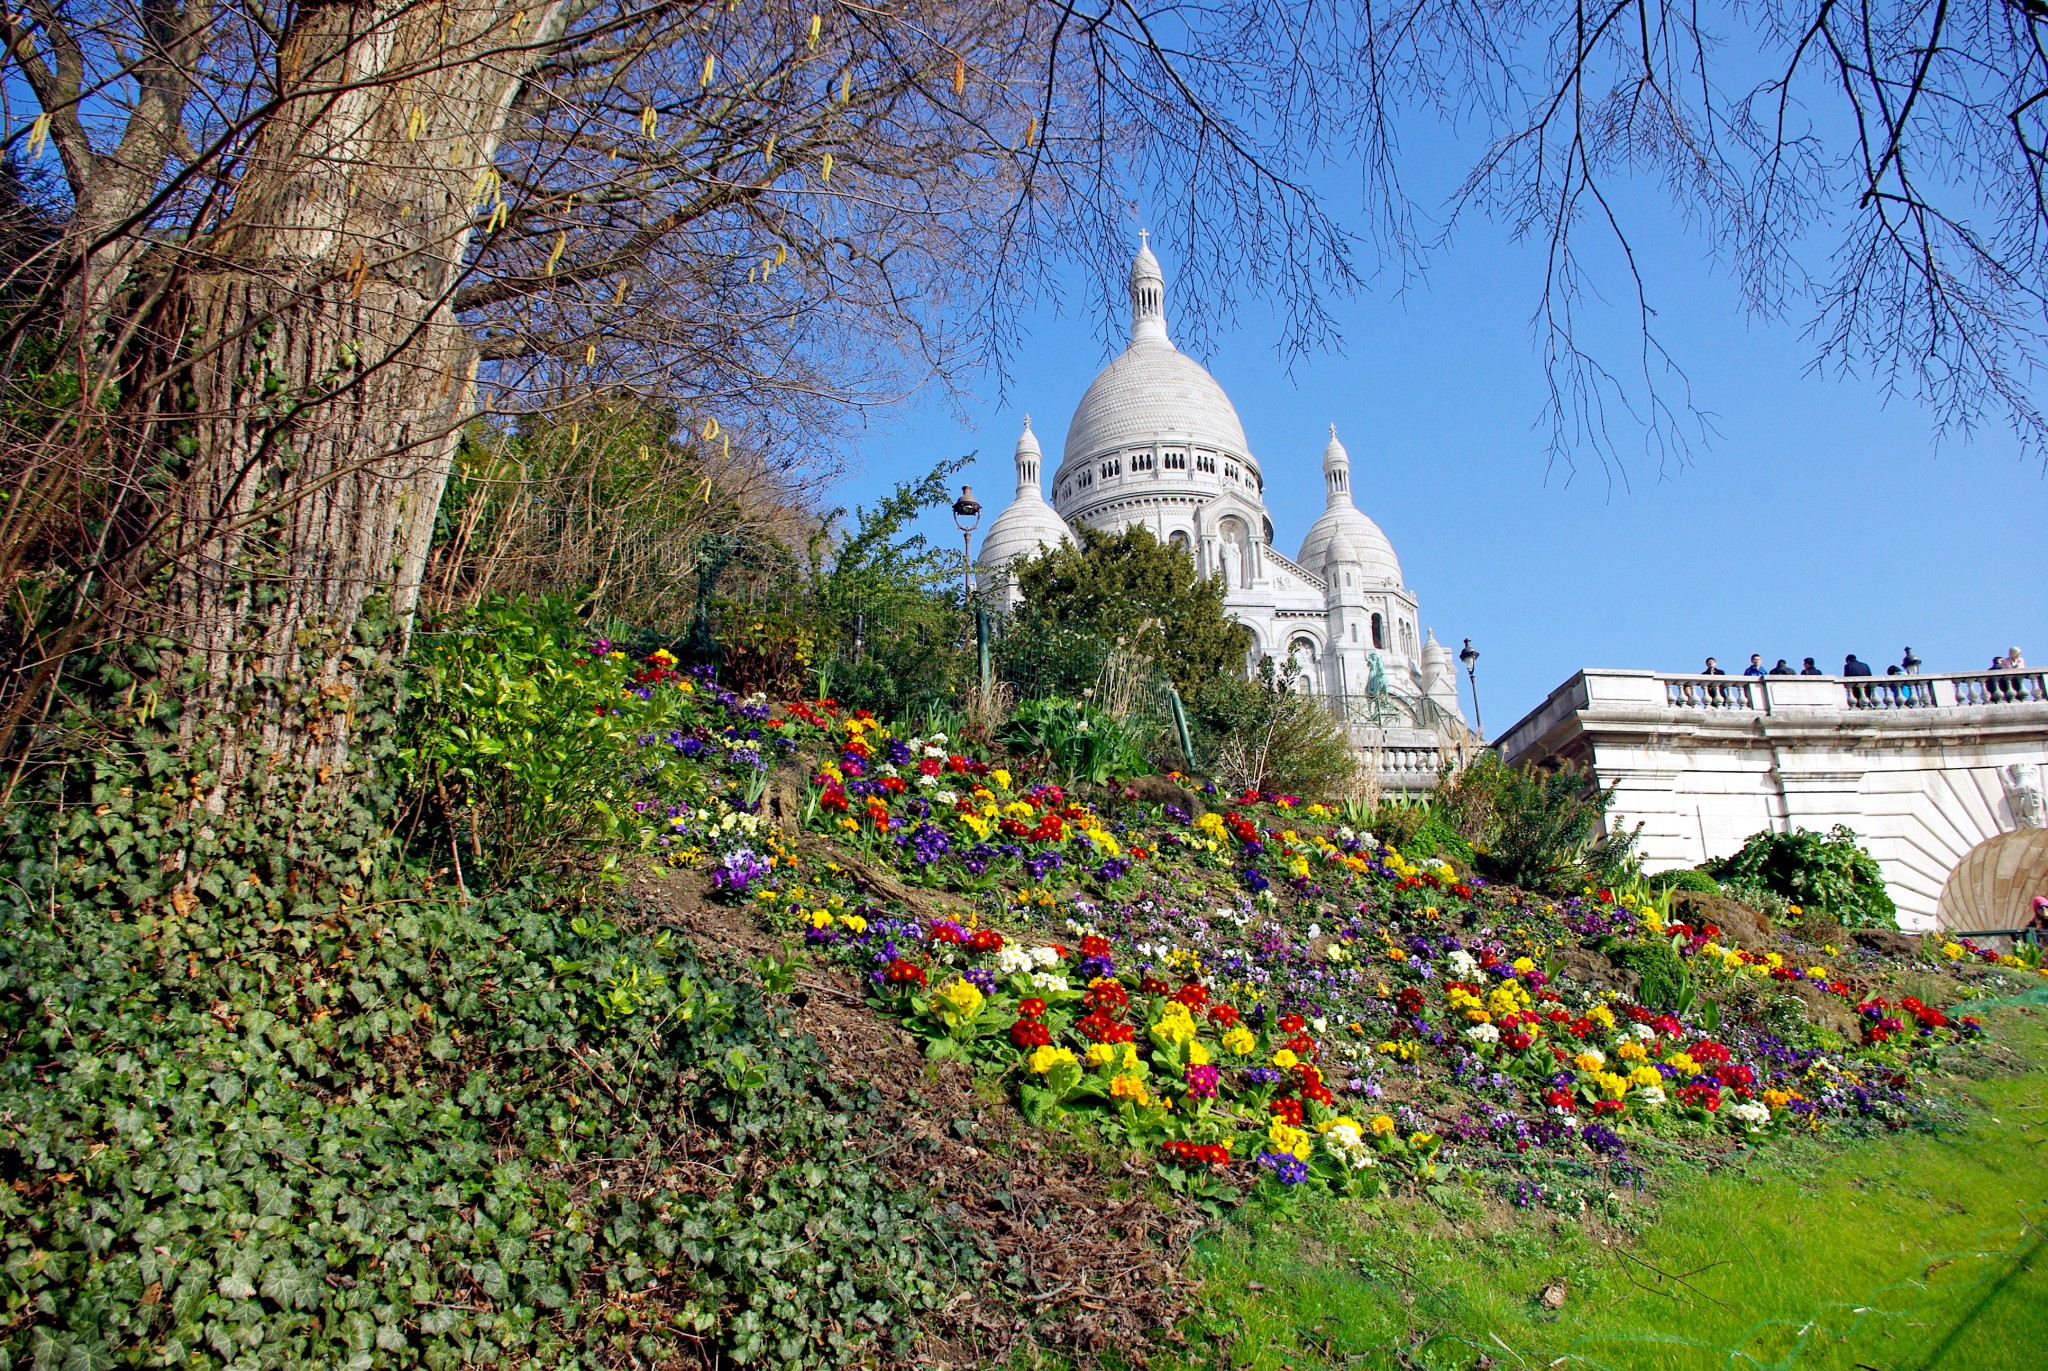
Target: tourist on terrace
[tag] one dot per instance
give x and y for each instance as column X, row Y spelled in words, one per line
column 1756, row 665
column 1810, row 669
column 1712, row 668
column 1783, row 668
column 2014, row 661
column 1852, row 667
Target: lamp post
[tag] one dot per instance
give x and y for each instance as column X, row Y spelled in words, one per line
column 967, row 518
column 1470, row 657
column 1911, row 666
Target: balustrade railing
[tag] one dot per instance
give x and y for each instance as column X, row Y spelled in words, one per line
column 1709, row 692
column 1890, row 692
column 2002, row 688
column 1770, row 694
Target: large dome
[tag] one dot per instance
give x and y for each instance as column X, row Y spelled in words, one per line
column 1154, row 390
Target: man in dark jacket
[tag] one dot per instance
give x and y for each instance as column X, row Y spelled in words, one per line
column 1784, row 669
column 1810, row 669
column 1852, row 667
column 1712, row 669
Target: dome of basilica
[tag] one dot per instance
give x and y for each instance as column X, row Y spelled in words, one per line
column 1345, row 528
column 1028, row 523
column 1152, row 389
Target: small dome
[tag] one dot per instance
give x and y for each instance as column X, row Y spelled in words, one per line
column 1343, row 531
column 1439, row 676
column 1359, row 540
column 1029, row 523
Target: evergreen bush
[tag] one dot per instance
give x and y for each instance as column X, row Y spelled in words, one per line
column 1804, row 868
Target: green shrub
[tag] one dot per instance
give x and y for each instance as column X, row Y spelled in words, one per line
column 1684, row 878
column 1804, row 868
column 1083, row 742
column 516, row 736
column 1265, row 734
column 1537, row 829
column 1666, row 982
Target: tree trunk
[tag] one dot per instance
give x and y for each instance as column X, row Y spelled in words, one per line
column 328, row 376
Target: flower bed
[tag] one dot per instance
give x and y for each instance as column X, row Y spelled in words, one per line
column 1259, row 995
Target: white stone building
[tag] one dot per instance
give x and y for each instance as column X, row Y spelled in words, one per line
column 1156, row 443
column 1930, row 771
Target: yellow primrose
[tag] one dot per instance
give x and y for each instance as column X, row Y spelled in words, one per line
column 1589, row 1060
column 1683, row 1063
column 1341, row 1121
column 1631, row 1052
column 1646, row 1075
column 1001, row 778
column 1524, row 965
column 1382, row 1126
column 1046, row 1058
column 1175, row 1024
column 1130, row 1088
column 1198, row 1055
column 1602, row 1015
column 1285, row 1059
column 1287, row 1138
column 958, row 1002
column 854, row 923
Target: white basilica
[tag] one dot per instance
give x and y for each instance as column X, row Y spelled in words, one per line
column 1156, row 442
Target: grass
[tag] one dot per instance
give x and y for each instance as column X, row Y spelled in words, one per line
column 1925, row 1251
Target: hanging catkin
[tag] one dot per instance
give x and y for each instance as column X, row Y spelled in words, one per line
column 649, row 120
column 710, row 70
column 1031, row 131
column 415, row 125
column 817, row 23
column 38, row 133
column 561, row 242
column 959, row 76
column 826, row 174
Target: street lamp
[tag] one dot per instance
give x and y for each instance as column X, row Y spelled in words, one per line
column 1470, row 657
column 1911, row 665
column 967, row 518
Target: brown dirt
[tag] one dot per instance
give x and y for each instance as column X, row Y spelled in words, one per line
column 1739, row 924
column 1097, row 1264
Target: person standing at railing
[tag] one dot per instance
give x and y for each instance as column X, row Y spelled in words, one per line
column 1852, row 667
column 1712, row 668
column 1810, row 669
column 2014, row 661
column 1756, row 665
column 1783, row 669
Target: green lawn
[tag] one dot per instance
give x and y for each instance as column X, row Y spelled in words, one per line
column 1900, row 1253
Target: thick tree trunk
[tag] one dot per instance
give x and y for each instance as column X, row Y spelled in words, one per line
column 328, row 375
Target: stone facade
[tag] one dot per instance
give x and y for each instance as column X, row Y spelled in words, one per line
column 1923, row 768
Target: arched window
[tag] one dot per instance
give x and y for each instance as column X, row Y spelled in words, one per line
column 1379, row 632
column 1178, row 539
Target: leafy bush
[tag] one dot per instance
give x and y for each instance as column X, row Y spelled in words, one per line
column 1084, row 743
column 1684, row 878
column 1832, row 873
column 1264, row 734
column 1128, row 588
column 1666, row 981
column 1538, row 829
column 516, row 735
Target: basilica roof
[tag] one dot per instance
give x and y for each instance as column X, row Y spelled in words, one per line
column 1344, row 527
column 1028, row 523
column 1152, row 389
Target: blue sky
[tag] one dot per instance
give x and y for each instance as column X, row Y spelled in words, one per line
column 1819, row 520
